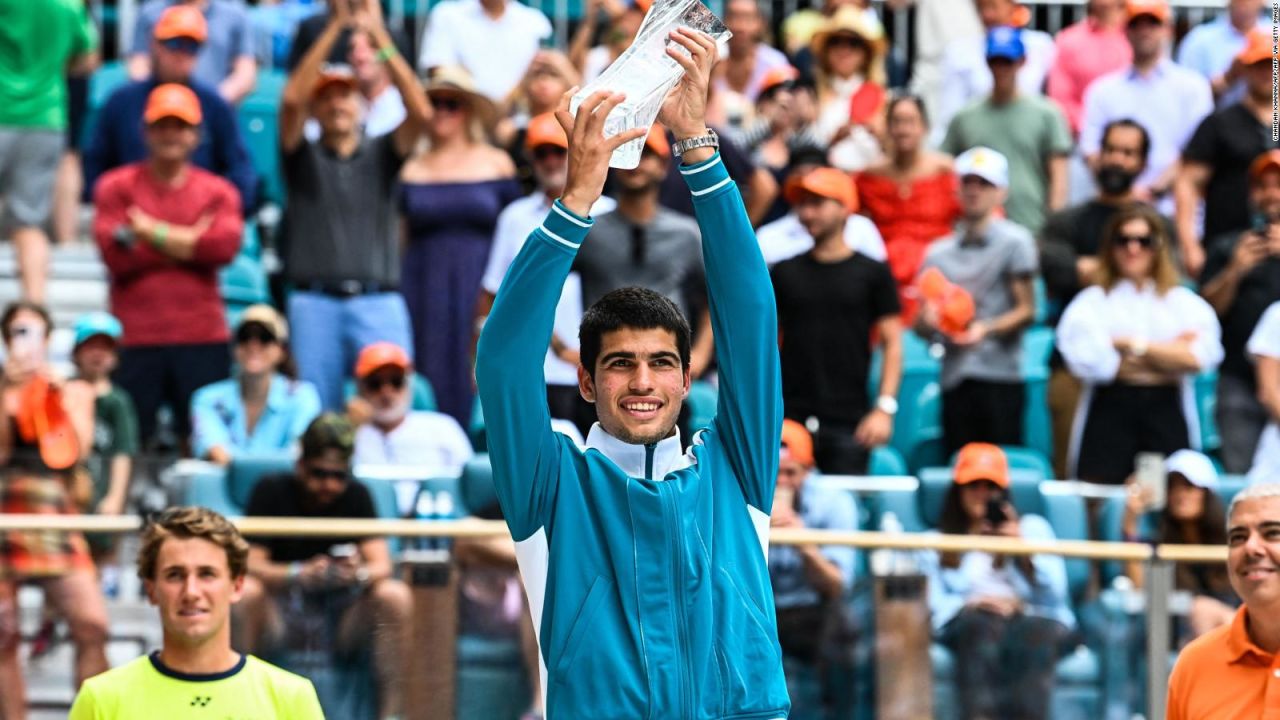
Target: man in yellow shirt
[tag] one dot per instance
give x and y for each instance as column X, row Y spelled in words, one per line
column 192, row 565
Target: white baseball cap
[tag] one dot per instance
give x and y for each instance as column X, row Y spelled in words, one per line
column 984, row 163
column 1196, row 467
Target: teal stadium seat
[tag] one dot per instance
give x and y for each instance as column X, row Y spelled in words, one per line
column 102, row 83
column 1037, row 428
column 886, row 461
column 228, row 491
column 1206, row 385
column 259, row 116
column 243, row 282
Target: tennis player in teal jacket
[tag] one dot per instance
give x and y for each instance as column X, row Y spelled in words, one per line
column 645, row 565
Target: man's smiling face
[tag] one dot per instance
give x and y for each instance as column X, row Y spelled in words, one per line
column 639, row 384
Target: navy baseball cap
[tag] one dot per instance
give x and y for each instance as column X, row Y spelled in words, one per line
column 1005, row 42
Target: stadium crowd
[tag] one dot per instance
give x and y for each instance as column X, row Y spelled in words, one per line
column 1114, row 187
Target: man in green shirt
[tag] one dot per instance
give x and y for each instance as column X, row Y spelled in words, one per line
column 1030, row 131
column 192, row 564
column 41, row 41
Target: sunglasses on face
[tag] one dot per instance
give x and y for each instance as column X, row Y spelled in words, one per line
column 846, row 41
column 447, row 104
column 319, row 473
column 189, row 46
column 1146, row 242
column 544, row 152
column 375, row 383
column 254, row 333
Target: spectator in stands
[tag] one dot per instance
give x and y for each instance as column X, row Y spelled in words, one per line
column 340, row 244
column 264, row 408
column 164, row 228
column 783, row 122
column 911, row 196
column 621, row 28
column 1212, row 48
column 466, row 32
column 994, row 260
column 382, row 108
column 1192, row 515
column 352, row 587
column 95, row 354
column 740, row 76
column 644, row 244
column 1226, row 673
column 1241, row 279
column 849, row 71
column 549, row 77
column 39, row 42
column 46, row 428
column 1027, row 129
column 118, row 136
column 1086, row 51
column 1005, row 618
column 389, row 431
column 938, row 24
column 224, row 60
column 811, row 582
column 787, row 237
column 1136, row 340
column 832, row 302
column 548, row 149
column 1165, row 98
column 451, row 196
column 194, row 558
column 967, row 77
column 1264, row 349
column 1070, row 260
column 1215, row 162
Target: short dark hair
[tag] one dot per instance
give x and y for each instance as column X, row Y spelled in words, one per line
column 630, row 307
column 11, row 311
column 329, row 431
column 1129, row 123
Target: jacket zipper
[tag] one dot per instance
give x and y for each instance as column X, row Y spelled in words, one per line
column 677, row 586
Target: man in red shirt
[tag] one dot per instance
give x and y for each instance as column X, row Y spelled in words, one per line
column 165, row 227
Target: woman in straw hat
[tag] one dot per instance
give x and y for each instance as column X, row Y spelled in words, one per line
column 849, row 68
column 451, row 194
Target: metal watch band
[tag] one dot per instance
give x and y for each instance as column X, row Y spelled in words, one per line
column 711, row 139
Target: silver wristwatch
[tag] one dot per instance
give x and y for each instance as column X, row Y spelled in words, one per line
column 711, row 139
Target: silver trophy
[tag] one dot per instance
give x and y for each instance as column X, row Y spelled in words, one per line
column 645, row 73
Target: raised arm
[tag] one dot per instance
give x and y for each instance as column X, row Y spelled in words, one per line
column 743, row 310
column 295, row 101
column 513, row 390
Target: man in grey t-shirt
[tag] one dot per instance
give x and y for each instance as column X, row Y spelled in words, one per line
column 341, row 253
column 643, row 244
column 983, row 392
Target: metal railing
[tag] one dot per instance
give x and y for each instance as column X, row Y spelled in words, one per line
column 1158, row 561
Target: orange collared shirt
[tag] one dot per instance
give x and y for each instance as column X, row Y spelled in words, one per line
column 1222, row 675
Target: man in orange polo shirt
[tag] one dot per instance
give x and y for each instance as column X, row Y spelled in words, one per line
column 1233, row 672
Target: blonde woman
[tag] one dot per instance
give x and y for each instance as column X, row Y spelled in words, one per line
column 848, row 66
column 1136, row 339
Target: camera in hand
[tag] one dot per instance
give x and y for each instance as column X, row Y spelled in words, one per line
column 996, row 514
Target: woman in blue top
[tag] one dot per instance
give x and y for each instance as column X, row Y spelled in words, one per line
column 1005, row 618
column 264, row 408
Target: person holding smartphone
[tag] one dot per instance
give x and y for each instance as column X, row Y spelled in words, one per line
column 1005, row 618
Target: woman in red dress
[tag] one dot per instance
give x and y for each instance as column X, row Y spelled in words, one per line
column 911, row 196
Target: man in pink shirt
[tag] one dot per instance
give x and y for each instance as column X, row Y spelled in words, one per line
column 1088, row 49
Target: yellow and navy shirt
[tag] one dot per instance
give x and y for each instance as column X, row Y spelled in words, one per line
column 146, row 688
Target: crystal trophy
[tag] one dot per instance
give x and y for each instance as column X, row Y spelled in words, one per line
column 645, row 73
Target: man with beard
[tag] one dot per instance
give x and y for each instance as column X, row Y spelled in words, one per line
column 1215, row 163
column 1069, row 254
column 1241, row 279
column 389, row 432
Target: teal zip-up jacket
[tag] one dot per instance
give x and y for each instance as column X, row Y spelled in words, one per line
column 645, row 566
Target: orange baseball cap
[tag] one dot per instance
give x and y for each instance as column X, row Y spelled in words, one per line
column 181, row 21
column 1269, row 160
column 334, row 74
column 1158, row 9
column 644, row 5
column 797, row 443
column 379, row 355
column 173, row 100
column 544, row 129
column 657, row 141
column 777, row 76
column 824, row 182
column 981, row 461
column 1257, row 49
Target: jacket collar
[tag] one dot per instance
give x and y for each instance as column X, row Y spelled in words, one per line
column 668, row 455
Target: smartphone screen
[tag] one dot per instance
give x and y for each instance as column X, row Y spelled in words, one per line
column 1148, row 471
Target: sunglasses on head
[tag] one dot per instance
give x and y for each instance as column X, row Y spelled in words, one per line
column 254, row 332
column 327, row 474
column 542, row 152
column 375, row 383
column 1146, row 242
column 187, row 45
